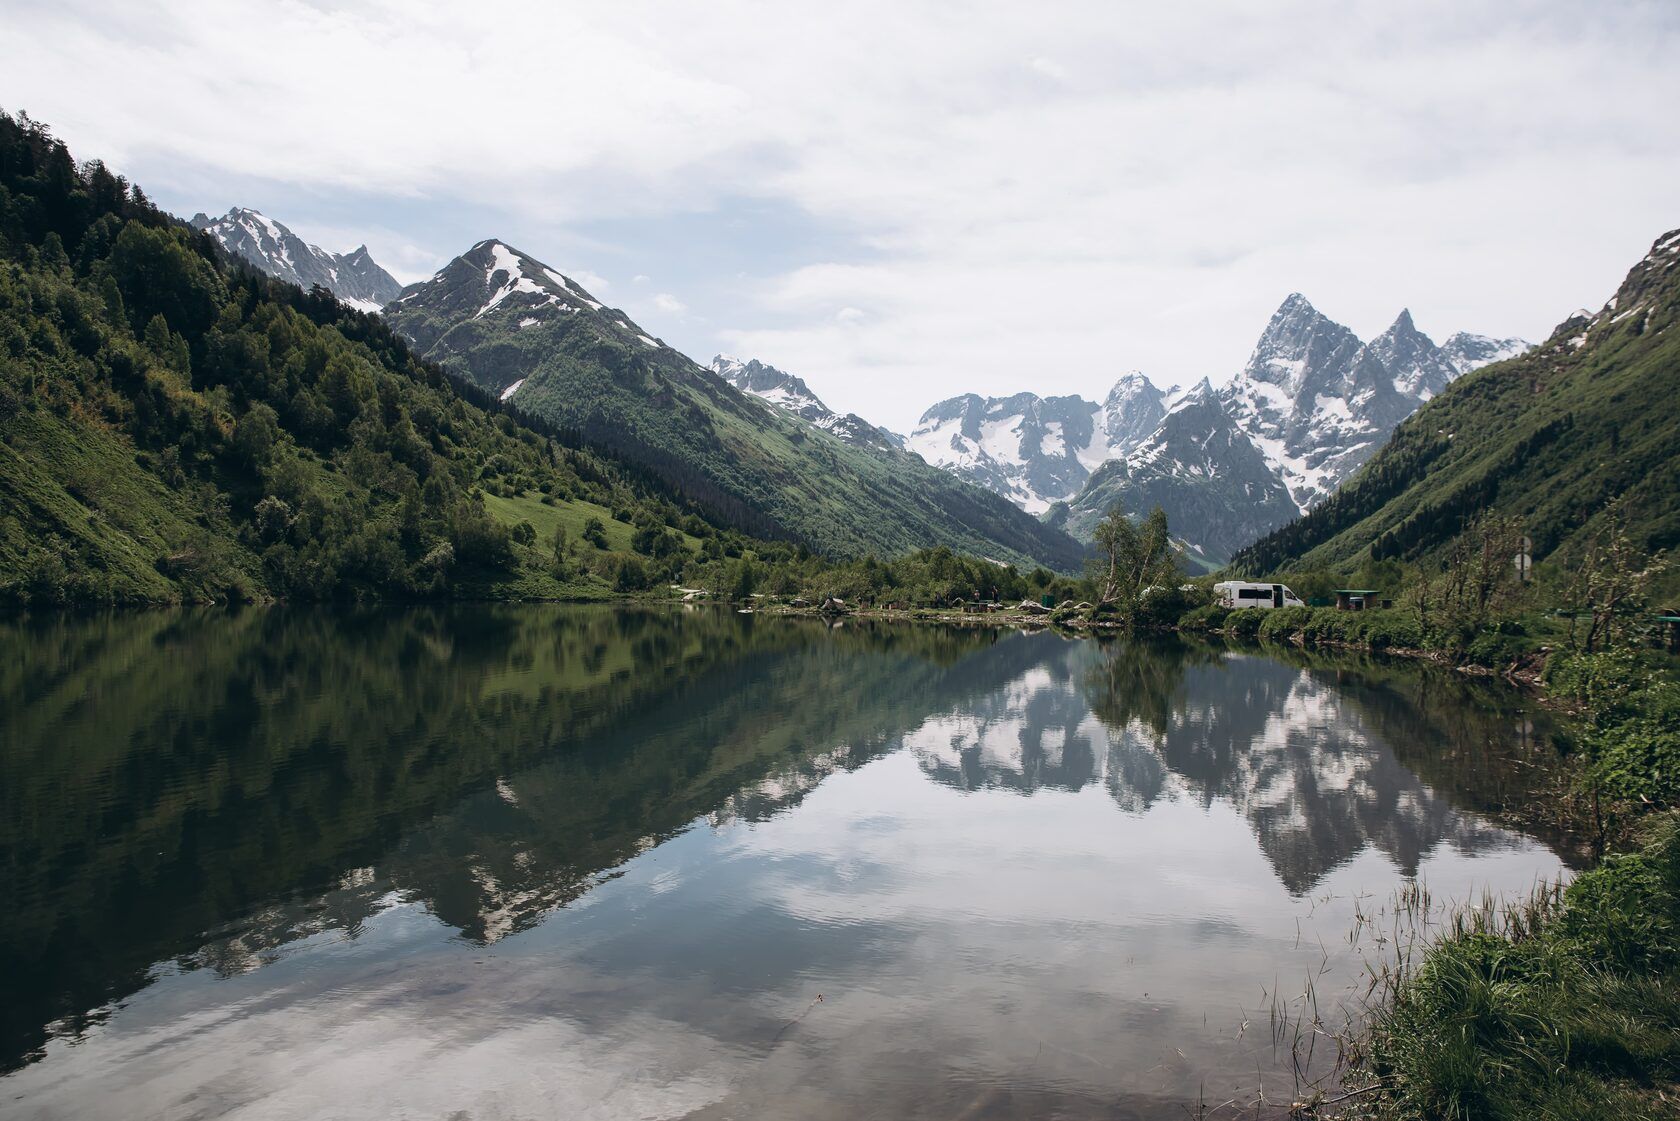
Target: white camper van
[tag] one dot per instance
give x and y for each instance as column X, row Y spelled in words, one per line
column 1241, row 593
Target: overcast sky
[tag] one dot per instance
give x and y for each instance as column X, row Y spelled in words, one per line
column 904, row 201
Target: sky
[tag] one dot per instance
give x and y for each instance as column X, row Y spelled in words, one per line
column 905, row 201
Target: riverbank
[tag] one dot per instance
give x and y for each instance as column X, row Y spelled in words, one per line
column 1388, row 633
column 1568, row 1004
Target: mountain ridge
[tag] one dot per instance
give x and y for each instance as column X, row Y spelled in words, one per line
column 792, row 395
column 1312, row 402
column 354, row 277
column 514, row 325
column 1551, row 436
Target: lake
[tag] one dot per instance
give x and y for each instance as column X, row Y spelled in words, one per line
column 495, row 861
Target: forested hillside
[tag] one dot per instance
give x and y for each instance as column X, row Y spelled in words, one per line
column 1551, row 437
column 518, row 327
column 174, row 425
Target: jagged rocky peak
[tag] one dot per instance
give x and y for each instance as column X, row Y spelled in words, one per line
column 1412, row 362
column 953, row 408
column 1312, row 403
column 776, row 386
column 1301, row 346
column 1641, row 292
column 1035, row 450
column 791, row 394
column 504, row 293
column 507, row 273
column 497, row 283
column 1469, row 352
column 1131, row 411
column 354, row 277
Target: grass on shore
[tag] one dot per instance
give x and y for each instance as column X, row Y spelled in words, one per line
column 1567, row 1006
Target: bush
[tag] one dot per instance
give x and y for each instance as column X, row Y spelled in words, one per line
column 632, row 576
column 1493, row 648
column 1638, row 760
column 1281, row 623
column 1384, row 629
column 1245, row 621
column 1164, row 607
column 1604, row 682
column 1624, row 912
column 1208, row 617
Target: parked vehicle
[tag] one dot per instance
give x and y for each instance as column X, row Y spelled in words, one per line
column 1243, row 593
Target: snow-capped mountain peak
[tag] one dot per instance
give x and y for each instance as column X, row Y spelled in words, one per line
column 509, row 273
column 503, row 289
column 1410, row 359
column 772, row 385
column 1318, row 402
column 353, row 277
column 1036, row 450
column 791, row 394
column 1231, row 462
column 1469, row 352
column 1300, row 348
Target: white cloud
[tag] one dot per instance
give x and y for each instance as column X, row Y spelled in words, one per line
column 669, row 304
column 596, row 284
column 1014, row 199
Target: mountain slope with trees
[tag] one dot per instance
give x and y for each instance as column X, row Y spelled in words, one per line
column 175, row 425
column 1550, row 437
column 521, row 329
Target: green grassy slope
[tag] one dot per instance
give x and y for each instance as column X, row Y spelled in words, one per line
column 1550, row 437
column 175, row 427
column 588, row 369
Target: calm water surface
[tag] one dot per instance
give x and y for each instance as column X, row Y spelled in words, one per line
column 541, row 862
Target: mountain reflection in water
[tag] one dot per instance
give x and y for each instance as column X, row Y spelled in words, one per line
column 631, row 846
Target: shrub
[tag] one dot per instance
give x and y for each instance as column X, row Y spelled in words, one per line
column 1493, row 648
column 632, row 575
column 1638, row 760
column 1624, row 912
column 1164, row 607
column 1570, row 1012
column 1383, row 629
column 1604, row 682
column 1280, row 624
column 1208, row 617
column 1245, row 621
